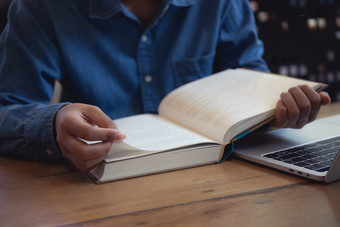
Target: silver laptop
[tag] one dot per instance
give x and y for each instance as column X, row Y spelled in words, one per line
column 311, row 152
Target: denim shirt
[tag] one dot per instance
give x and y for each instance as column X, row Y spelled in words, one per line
column 102, row 55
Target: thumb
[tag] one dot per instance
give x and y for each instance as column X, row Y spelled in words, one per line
column 95, row 116
column 325, row 99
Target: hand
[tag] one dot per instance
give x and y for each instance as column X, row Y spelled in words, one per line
column 299, row 106
column 80, row 121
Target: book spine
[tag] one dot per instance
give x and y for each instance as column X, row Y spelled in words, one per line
column 228, row 148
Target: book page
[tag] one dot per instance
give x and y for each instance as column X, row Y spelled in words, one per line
column 148, row 133
column 212, row 105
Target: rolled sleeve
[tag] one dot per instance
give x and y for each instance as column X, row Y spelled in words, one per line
column 28, row 131
column 40, row 137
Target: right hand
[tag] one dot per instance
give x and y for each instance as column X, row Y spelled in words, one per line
column 74, row 122
column 299, row 106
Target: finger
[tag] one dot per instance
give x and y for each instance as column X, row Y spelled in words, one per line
column 94, row 115
column 293, row 111
column 86, row 166
column 280, row 115
column 66, row 153
column 82, row 129
column 325, row 99
column 314, row 99
column 304, row 104
column 92, row 133
column 80, row 163
column 89, row 165
column 80, row 120
column 83, row 151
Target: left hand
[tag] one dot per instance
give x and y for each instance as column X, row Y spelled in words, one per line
column 299, row 106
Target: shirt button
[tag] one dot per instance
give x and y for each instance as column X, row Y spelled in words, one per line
column 148, row 79
column 49, row 152
column 144, row 38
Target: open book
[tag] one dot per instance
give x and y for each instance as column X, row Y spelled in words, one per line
column 195, row 124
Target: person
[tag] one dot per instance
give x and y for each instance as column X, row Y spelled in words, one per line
column 116, row 58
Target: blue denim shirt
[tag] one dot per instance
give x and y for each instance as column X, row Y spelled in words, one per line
column 103, row 56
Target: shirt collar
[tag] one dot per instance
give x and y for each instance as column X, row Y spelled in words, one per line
column 107, row 8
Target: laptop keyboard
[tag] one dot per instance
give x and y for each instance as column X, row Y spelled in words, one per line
column 316, row 156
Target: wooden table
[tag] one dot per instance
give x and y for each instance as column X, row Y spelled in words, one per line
column 234, row 193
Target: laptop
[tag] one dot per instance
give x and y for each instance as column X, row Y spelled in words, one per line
column 311, row 152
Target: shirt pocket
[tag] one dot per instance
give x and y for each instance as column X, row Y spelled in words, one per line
column 191, row 69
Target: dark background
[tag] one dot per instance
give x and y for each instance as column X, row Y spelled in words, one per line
column 3, row 11
column 302, row 39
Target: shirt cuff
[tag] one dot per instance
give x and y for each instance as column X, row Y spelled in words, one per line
column 40, row 133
